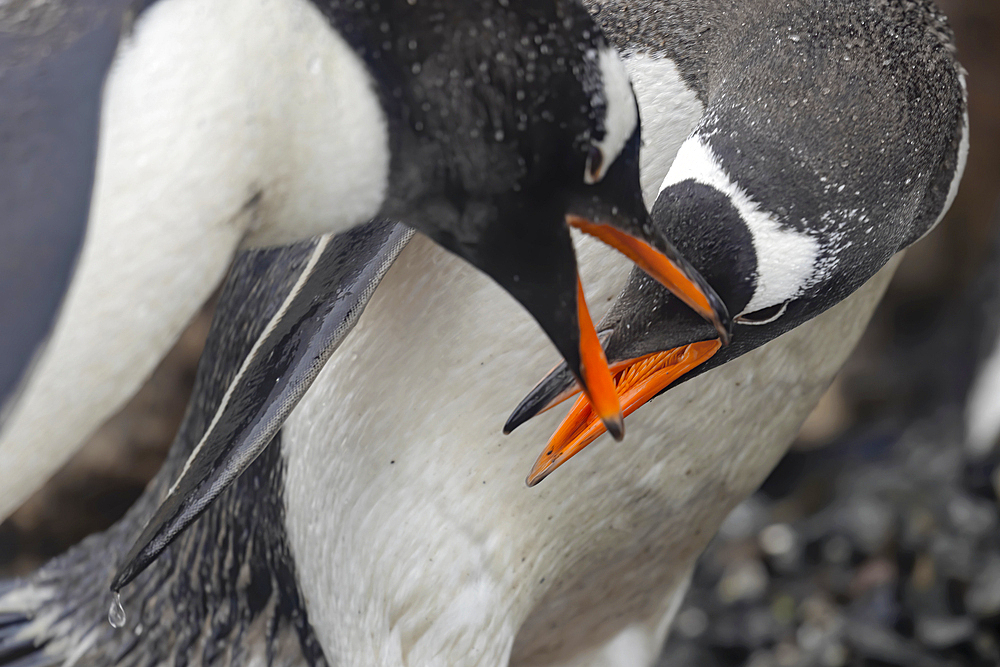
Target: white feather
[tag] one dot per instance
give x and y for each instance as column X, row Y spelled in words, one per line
column 786, row 258
column 415, row 538
column 247, row 121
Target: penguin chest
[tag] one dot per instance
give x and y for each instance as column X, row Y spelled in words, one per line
column 415, row 538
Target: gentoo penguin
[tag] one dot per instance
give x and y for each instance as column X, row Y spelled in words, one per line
column 799, row 192
column 408, row 537
column 485, row 125
column 787, row 196
column 419, row 574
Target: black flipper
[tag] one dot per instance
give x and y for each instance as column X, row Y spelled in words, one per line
column 323, row 304
column 53, row 60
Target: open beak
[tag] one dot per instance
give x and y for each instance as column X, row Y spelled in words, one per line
column 668, row 268
column 636, row 381
column 681, row 279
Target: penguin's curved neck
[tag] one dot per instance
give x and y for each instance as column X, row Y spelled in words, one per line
column 255, row 102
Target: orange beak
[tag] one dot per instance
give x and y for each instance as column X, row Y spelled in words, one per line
column 635, row 382
column 595, row 378
column 672, row 273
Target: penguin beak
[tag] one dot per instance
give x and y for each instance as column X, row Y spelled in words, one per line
column 636, row 381
column 672, row 271
column 534, row 260
column 594, row 375
column 668, row 268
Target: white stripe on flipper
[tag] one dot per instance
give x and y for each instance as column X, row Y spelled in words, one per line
column 317, row 252
column 786, row 259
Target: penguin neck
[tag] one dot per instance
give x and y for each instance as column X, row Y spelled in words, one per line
column 254, row 102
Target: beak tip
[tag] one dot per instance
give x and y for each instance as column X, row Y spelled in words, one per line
column 720, row 317
column 537, row 474
column 725, row 335
column 616, row 427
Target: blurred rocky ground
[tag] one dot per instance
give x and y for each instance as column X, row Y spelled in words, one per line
column 882, row 549
column 873, row 543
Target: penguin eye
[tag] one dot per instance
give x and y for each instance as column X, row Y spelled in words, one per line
column 763, row 316
column 593, row 172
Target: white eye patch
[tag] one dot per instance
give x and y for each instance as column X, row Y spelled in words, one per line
column 621, row 117
column 786, row 258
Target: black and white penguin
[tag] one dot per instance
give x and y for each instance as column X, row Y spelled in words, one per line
column 485, row 125
column 787, row 196
column 408, row 537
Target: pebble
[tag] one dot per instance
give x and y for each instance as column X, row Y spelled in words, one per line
column 872, row 574
column 835, row 655
column 777, row 539
column 983, row 596
column 742, row 581
column 972, row 516
column 943, row 632
column 837, row 549
column 692, row 622
column 869, row 521
column 900, row 566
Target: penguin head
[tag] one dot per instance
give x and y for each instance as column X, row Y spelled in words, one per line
column 773, row 282
column 510, row 122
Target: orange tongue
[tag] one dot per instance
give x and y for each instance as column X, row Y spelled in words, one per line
column 640, row 380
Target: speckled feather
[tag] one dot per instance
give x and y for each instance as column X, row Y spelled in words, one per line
column 841, row 122
column 678, row 505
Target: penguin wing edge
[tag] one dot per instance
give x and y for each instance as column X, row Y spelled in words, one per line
column 320, row 304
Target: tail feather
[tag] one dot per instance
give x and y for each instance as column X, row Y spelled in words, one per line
column 36, row 626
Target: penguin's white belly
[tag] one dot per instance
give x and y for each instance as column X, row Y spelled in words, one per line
column 222, row 122
column 415, row 537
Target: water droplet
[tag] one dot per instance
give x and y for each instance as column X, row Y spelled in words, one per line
column 116, row 614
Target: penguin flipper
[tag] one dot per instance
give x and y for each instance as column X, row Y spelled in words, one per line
column 53, row 60
column 321, row 306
